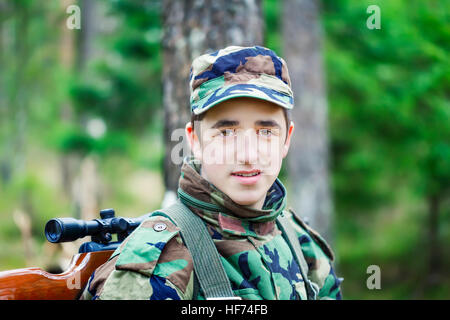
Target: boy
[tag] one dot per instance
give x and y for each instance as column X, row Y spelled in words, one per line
column 239, row 134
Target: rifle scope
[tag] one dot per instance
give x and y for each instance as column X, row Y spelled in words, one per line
column 70, row 229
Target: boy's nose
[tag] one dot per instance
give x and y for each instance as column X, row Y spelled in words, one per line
column 247, row 147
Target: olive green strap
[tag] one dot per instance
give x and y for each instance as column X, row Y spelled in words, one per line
column 208, row 268
column 291, row 238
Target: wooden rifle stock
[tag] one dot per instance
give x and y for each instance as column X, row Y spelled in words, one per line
column 37, row 284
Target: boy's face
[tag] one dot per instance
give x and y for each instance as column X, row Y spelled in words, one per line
column 242, row 136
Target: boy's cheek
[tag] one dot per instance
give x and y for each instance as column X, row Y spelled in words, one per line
column 273, row 169
column 269, row 156
column 213, row 154
column 270, row 153
column 197, row 152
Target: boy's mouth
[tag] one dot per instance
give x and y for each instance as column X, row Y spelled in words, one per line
column 247, row 176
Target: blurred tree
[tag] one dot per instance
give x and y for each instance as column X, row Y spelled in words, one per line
column 28, row 64
column 308, row 156
column 116, row 87
column 14, row 101
column 79, row 169
column 5, row 166
column 122, row 85
column 192, row 28
column 22, row 61
column 67, row 59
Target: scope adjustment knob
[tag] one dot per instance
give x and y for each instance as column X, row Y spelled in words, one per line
column 107, row 213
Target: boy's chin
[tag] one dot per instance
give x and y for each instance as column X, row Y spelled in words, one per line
column 244, row 199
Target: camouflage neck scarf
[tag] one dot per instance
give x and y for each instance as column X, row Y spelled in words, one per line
column 219, row 210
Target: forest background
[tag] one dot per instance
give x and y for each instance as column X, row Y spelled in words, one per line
column 82, row 128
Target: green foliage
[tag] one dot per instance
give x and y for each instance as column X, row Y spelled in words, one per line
column 46, row 108
column 272, row 11
column 69, row 139
column 390, row 84
column 390, row 138
column 123, row 86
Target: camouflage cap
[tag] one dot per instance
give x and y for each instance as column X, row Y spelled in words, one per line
column 235, row 71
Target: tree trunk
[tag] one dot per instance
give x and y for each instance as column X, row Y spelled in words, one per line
column 89, row 27
column 433, row 241
column 308, row 156
column 5, row 153
column 67, row 57
column 80, row 178
column 86, row 189
column 14, row 102
column 192, row 28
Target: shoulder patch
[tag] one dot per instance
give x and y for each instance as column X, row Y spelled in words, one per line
column 315, row 235
column 145, row 244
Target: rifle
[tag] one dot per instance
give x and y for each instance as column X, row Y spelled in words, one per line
column 37, row 284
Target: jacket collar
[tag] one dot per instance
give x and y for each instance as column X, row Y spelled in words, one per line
column 219, row 210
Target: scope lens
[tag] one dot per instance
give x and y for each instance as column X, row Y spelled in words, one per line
column 53, row 230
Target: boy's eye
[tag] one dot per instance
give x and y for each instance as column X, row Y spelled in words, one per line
column 227, row 132
column 265, row 132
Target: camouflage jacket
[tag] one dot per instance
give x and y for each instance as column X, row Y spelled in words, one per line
column 153, row 263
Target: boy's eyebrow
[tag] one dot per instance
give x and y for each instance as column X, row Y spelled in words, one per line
column 225, row 123
column 268, row 123
column 231, row 123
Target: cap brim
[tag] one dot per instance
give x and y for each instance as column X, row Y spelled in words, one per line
column 241, row 90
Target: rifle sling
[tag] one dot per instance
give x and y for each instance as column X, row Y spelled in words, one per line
column 291, row 238
column 208, row 268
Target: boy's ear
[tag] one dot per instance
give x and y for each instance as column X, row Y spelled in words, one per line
column 288, row 139
column 193, row 140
